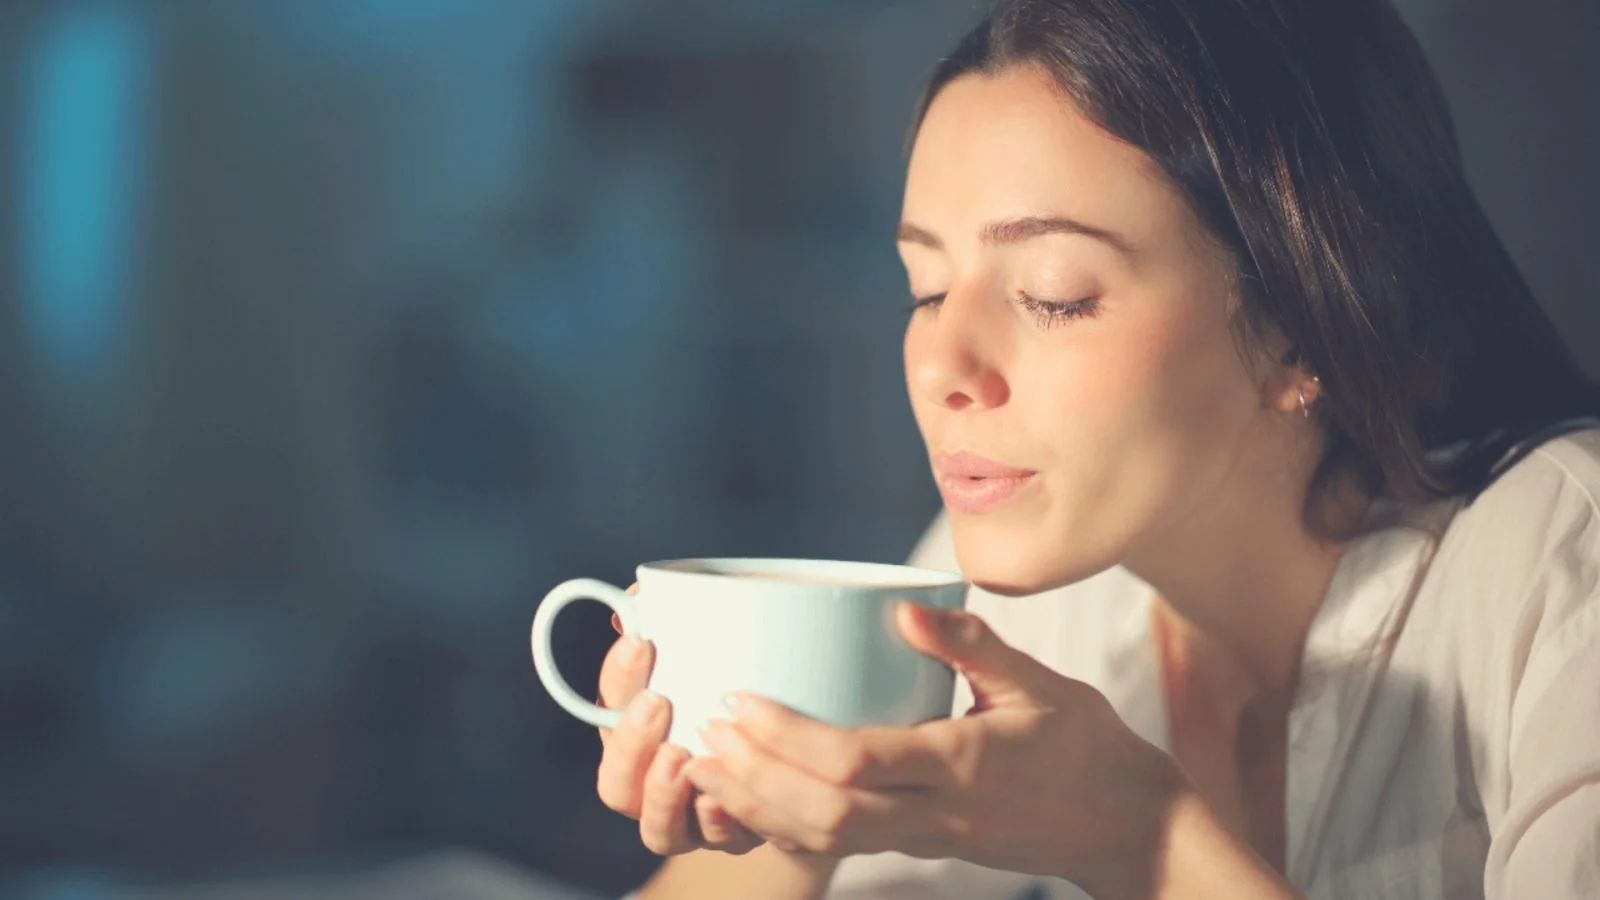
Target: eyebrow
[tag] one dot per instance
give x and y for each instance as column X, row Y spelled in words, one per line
column 1015, row 231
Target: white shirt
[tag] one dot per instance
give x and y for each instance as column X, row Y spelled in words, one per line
column 1445, row 741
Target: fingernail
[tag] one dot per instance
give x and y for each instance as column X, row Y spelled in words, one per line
column 644, row 708
column 744, row 706
column 632, row 648
column 721, row 738
column 616, row 623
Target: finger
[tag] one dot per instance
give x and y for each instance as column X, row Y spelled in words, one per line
column 738, row 802
column 999, row 674
column 864, row 758
column 821, row 819
column 720, row 831
column 778, row 800
column 625, row 671
column 616, row 618
column 664, row 816
column 629, row 751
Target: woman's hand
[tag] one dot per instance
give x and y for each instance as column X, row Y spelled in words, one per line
column 641, row 776
column 1041, row 777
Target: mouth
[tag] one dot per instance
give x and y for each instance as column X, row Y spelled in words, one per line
column 974, row 485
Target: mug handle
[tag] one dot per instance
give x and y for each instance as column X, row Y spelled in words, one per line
column 544, row 661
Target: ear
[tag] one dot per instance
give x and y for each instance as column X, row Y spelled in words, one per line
column 1290, row 387
column 1295, row 393
column 1284, row 378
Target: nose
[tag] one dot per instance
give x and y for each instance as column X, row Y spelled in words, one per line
column 952, row 357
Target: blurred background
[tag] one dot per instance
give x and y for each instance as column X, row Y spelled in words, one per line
column 333, row 333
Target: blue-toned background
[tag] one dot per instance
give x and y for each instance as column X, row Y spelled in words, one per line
column 334, row 332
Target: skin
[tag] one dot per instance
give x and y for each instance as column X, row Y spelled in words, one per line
column 1074, row 319
column 1162, row 444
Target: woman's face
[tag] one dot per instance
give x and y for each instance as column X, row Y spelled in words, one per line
column 1084, row 344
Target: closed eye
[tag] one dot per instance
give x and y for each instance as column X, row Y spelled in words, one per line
column 1054, row 312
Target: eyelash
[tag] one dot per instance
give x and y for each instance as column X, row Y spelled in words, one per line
column 1046, row 312
column 1054, row 312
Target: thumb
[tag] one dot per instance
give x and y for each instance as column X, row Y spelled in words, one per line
column 1000, row 675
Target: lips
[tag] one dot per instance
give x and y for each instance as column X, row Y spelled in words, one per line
column 974, row 484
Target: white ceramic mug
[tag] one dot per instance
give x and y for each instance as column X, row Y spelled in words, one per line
column 816, row 636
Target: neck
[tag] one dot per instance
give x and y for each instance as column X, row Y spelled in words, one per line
column 1243, row 580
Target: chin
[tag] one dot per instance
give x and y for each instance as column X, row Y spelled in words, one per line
column 1015, row 561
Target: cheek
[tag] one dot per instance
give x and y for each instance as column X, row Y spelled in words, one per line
column 910, row 356
column 1147, row 404
column 1203, row 384
column 1180, row 365
column 931, row 416
column 1100, row 385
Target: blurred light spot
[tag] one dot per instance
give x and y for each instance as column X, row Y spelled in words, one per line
column 82, row 140
column 183, row 684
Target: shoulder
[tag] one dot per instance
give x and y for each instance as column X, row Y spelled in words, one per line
column 1538, row 522
column 1562, row 472
column 1510, row 615
column 1518, row 569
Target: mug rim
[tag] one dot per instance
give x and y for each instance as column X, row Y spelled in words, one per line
column 859, row 575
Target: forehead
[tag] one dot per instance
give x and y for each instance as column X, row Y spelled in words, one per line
column 1014, row 143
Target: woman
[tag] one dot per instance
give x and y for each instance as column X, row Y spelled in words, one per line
column 1212, row 348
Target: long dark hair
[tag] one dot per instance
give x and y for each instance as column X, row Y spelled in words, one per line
column 1314, row 143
